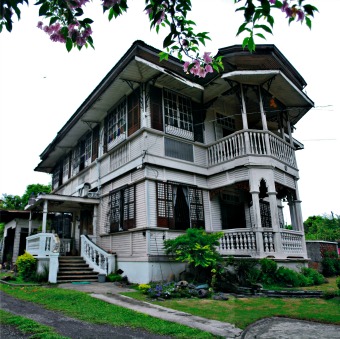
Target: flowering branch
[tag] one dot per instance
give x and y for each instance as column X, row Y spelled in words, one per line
column 65, row 25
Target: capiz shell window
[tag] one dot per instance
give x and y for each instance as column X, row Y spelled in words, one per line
column 116, row 124
column 178, row 115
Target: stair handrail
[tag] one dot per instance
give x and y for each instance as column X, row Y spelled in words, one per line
column 96, row 257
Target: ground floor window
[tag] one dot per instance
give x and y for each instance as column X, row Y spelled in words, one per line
column 179, row 206
column 122, row 209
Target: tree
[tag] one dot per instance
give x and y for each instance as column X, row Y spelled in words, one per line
column 323, row 228
column 15, row 202
column 67, row 24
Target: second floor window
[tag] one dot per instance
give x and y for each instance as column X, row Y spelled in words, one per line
column 178, row 115
column 116, row 124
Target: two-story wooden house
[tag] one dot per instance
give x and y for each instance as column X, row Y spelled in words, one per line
column 153, row 151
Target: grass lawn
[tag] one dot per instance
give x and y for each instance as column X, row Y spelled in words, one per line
column 28, row 326
column 243, row 311
column 81, row 306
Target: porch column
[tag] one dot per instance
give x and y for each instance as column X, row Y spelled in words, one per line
column 94, row 222
column 289, row 131
column 257, row 225
column 264, row 123
column 274, row 214
column 44, row 221
column 292, row 211
column 30, row 224
column 245, row 122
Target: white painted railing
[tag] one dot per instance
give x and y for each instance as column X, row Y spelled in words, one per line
column 45, row 247
column 43, row 244
column 234, row 146
column 292, row 243
column 238, row 241
column 96, row 257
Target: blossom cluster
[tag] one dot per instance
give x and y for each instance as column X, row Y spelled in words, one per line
column 199, row 67
column 110, row 3
column 291, row 11
column 161, row 8
column 77, row 33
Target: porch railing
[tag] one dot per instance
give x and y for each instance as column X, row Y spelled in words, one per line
column 234, row 146
column 262, row 242
column 43, row 244
column 96, row 257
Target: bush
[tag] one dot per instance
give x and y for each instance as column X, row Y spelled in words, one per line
column 27, row 266
column 268, row 269
column 113, row 277
column 144, row 288
column 286, row 276
column 315, row 277
column 338, row 282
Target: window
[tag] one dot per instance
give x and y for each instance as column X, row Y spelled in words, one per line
column 67, row 167
column 75, row 159
column 121, row 209
column 57, row 177
column 179, row 206
column 116, row 124
column 226, row 123
column 178, row 115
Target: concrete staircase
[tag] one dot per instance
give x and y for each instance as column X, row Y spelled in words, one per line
column 73, row 269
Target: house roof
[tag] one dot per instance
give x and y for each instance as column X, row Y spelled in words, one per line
column 8, row 215
column 61, row 203
column 141, row 64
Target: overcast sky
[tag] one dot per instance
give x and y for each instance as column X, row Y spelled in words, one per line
column 42, row 85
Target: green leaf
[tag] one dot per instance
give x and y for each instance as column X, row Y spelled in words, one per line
column 44, row 8
column 264, row 27
column 260, row 35
column 69, row 44
column 87, row 21
column 242, row 28
column 163, row 56
column 168, row 41
column 308, row 22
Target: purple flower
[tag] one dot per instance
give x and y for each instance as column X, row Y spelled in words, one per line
column 81, row 41
column 272, row 1
column 300, row 14
column 202, row 73
column 206, row 57
column 160, row 20
column 186, row 66
column 209, row 69
column 87, row 32
column 40, row 24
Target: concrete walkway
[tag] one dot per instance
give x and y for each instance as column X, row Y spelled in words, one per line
column 110, row 293
column 278, row 328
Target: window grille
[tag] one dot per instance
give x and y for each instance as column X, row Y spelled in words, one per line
column 266, row 219
column 178, row 115
column 116, row 122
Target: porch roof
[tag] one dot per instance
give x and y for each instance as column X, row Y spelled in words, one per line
column 61, row 203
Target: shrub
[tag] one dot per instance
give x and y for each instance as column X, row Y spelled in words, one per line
column 197, row 248
column 246, row 271
column 268, row 270
column 144, row 288
column 338, row 282
column 286, row 276
column 27, row 266
column 328, row 267
column 315, row 277
column 113, row 277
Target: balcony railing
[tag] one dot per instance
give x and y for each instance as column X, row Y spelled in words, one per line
column 250, row 142
column 262, row 242
column 43, row 244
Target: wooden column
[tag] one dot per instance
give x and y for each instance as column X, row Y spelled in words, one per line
column 264, row 123
column 245, row 122
column 45, row 211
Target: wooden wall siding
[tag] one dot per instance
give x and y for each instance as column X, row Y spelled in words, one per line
column 153, row 172
column 119, row 156
column 284, row 179
column 218, row 180
column 137, row 175
column 200, row 156
column 103, row 215
column 105, row 166
column 121, row 243
column 215, row 214
column 154, row 144
column 156, row 238
column 200, row 181
column 139, row 245
column 183, row 177
column 141, row 220
column 137, row 146
column 207, row 210
column 151, row 196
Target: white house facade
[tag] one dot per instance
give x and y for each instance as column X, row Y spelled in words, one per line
column 153, row 151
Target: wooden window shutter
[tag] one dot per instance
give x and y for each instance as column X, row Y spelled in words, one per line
column 156, row 108
column 198, row 117
column 129, row 207
column 165, row 207
column 133, row 111
column 196, row 208
column 69, row 165
column 95, row 143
